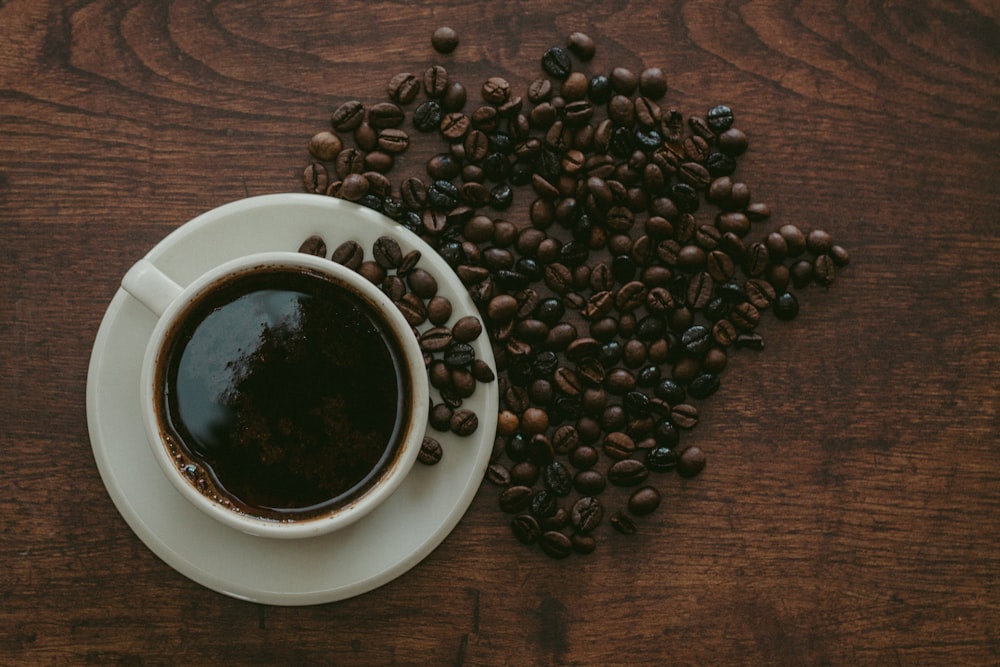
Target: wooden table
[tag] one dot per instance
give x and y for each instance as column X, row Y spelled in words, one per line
column 849, row 511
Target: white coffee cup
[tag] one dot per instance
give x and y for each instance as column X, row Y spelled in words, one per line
column 172, row 303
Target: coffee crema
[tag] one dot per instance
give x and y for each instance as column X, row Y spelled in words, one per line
column 282, row 393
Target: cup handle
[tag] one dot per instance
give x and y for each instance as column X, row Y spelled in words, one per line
column 150, row 286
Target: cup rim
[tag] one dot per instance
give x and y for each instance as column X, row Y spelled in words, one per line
column 337, row 517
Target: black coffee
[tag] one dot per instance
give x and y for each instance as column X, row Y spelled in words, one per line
column 282, row 391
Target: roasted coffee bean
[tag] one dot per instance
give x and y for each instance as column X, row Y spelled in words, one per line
column 744, row 316
column 733, row 142
column 696, row 340
column 824, row 270
column 350, row 254
column 630, row 296
column 661, row 459
column 619, row 381
column 704, row 385
column 438, row 310
column 568, row 381
column 557, row 479
column 670, row 391
column 644, row 501
column 749, row 341
column 525, row 473
column 692, row 461
column 515, row 499
column 665, row 433
column 839, row 255
column 467, row 329
column 700, row 290
column 314, row 245
column 627, row 472
column 444, row 40
column 581, row 45
column 543, row 504
column 556, row 63
column 590, row 371
column 482, row 372
column 610, row 354
column 347, row 116
column 589, row 481
column 430, row 451
column 427, row 116
column 325, row 146
column 586, row 514
column 584, row 457
column 524, row 526
column 786, row 306
column 565, row 439
column 403, row 88
column 618, row 445
column 387, row 253
column 459, row 355
column 623, row 524
column 440, row 416
column 534, row 421
column 315, row 178
column 436, row 339
column 464, row 422
column 558, row 278
column 555, row 544
column 684, row 415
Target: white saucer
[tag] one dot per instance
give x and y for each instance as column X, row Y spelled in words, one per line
column 383, row 545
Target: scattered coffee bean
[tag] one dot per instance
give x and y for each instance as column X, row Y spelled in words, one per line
column 444, row 40
column 612, row 307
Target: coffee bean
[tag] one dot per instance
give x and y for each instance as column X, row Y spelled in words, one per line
column 653, row 83
column 467, row 329
column 786, row 306
column 700, row 290
column 464, row 422
column 427, row 116
column 534, row 421
column 644, row 501
column 349, row 254
column 824, row 270
column 430, row 451
column 661, row 459
column 314, row 245
column 347, row 116
column 403, row 88
column 581, row 45
column 436, row 339
column 627, row 472
column 543, row 504
column 586, row 514
column 692, row 461
column 525, row 527
column 618, row 445
column 589, row 482
column 684, row 415
column 482, row 372
column 444, row 40
column 557, row 479
column 565, row 439
column 704, row 385
column 555, row 544
column 623, row 524
column 459, row 355
column 556, row 63
column 839, row 255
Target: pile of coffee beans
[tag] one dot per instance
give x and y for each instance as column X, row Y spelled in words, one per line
column 607, row 242
column 452, row 366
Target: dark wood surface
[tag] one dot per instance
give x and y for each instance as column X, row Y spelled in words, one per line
column 849, row 511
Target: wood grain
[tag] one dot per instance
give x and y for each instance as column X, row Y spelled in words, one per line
column 849, row 513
